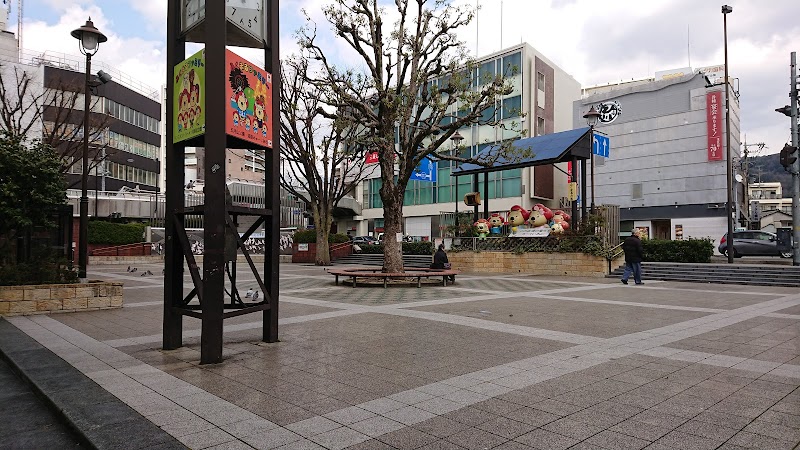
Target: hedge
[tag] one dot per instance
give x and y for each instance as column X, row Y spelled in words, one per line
column 685, row 251
column 110, row 233
column 409, row 248
column 309, row 236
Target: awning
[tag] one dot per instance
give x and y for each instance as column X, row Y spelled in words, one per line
column 547, row 149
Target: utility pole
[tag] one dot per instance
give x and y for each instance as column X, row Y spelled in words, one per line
column 794, row 79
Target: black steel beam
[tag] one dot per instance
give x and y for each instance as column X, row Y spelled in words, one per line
column 272, row 64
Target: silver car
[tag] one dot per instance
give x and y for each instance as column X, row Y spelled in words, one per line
column 752, row 243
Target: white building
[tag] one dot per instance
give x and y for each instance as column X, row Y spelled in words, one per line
column 543, row 93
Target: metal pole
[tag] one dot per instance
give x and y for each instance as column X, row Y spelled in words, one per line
column 794, row 79
column 728, row 167
column 591, row 145
column 83, row 230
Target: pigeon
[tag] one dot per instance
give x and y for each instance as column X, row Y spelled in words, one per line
column 148, row 272
column 249, row 293
column 143, row 274
column 134, row 270
column 129, row 268
column 255, row 295
column 162, row 271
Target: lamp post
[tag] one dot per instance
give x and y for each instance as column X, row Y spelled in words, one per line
column 89, row 39
column 728, row 168
column 591, row 119
column 456, row 139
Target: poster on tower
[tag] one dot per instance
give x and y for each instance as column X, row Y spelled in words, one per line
column 188, row 98
column 714, row 125
column 249, row 101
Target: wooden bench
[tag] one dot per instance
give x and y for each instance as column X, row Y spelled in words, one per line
column 419, row 274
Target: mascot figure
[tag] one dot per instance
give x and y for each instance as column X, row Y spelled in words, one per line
column 482, row 226
column 495, row 223
column 561, row 218
column 517, row 216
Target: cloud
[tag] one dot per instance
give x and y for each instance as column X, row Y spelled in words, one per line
column 154, row 12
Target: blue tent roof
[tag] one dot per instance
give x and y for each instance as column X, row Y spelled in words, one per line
column 546, row 149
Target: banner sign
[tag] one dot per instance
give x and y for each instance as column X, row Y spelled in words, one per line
column 371, row 158
column 189, row 98
column 531, row 232
column 714, row 125
column 249, row 108
column 425, row 171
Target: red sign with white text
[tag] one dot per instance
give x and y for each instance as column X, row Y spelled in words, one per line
column 371, row 158
column 714, row 124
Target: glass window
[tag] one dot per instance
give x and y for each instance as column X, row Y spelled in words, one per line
column 512, row 64
column 512, row 107
column 486, row 72
column 487, row 114
column 540, row 81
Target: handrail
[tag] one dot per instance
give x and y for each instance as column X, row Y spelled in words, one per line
column 340, row 245
column 114, row 251
column 614, row 253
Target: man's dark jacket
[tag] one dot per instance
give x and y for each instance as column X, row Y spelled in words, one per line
column 439, row 258
column 634, row 252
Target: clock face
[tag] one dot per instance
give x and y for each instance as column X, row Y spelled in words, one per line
column 193, row 12
column 248, row 15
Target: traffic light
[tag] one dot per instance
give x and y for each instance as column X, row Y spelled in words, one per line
column 788, row 156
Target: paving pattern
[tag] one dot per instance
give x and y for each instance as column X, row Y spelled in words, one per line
column 495, row 361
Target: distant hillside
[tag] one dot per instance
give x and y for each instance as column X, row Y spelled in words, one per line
column 768, row 168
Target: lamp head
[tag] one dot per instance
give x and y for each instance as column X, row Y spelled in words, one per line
column 104, row 77
column 727, row 9
column 591, row 116
column 89, row 37
column 457, row 138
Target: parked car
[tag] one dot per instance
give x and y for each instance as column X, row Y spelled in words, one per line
column 752, row 243
column 365, row 240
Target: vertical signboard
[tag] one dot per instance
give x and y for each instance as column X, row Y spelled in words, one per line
column 714, row 124
column 249, row 90
column 188, row 97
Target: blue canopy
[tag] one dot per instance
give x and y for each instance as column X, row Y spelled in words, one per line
column 547, row 149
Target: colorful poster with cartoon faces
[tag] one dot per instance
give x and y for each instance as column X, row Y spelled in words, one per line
column 249, row 105
column 188, row 98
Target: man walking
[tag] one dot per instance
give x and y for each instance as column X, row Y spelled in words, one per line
column 634, row 254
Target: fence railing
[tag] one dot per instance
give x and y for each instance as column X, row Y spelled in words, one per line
column 552, row 244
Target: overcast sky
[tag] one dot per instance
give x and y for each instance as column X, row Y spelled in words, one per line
column 596, row 41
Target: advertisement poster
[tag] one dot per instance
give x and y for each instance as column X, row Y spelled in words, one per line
column 249, row 108
column 188, row 97
column 371, row 158
column 714, row 125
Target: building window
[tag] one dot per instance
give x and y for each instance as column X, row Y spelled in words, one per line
column 540, row 126
column 636, row 193
column 512, row 107
column 512, row 64
column 540, row 81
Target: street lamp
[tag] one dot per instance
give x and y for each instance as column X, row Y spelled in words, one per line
column 456, row 139
column 728, row 168
column 89, row 39
column 591, row 119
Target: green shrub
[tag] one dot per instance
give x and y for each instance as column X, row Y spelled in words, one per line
column 309, row 236
column 409, row 248
column 38, row 271
column 418, row 248
column 686, row 251
column 102, row 232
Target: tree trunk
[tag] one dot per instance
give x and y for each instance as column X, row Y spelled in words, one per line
column 322, row 223
column 393, row 224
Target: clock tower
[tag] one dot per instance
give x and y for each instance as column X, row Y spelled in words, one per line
column 201, row 91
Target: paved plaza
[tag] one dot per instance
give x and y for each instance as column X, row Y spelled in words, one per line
column 495, row 361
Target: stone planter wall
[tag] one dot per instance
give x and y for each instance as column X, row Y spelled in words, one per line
column 554, row 264
column 49, row 298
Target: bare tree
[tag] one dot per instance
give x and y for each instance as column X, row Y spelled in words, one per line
column 322, row 160
column 26, row 106
column 413, row 83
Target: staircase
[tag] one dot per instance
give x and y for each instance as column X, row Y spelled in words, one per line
column 749, row 274
column 360, row 259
